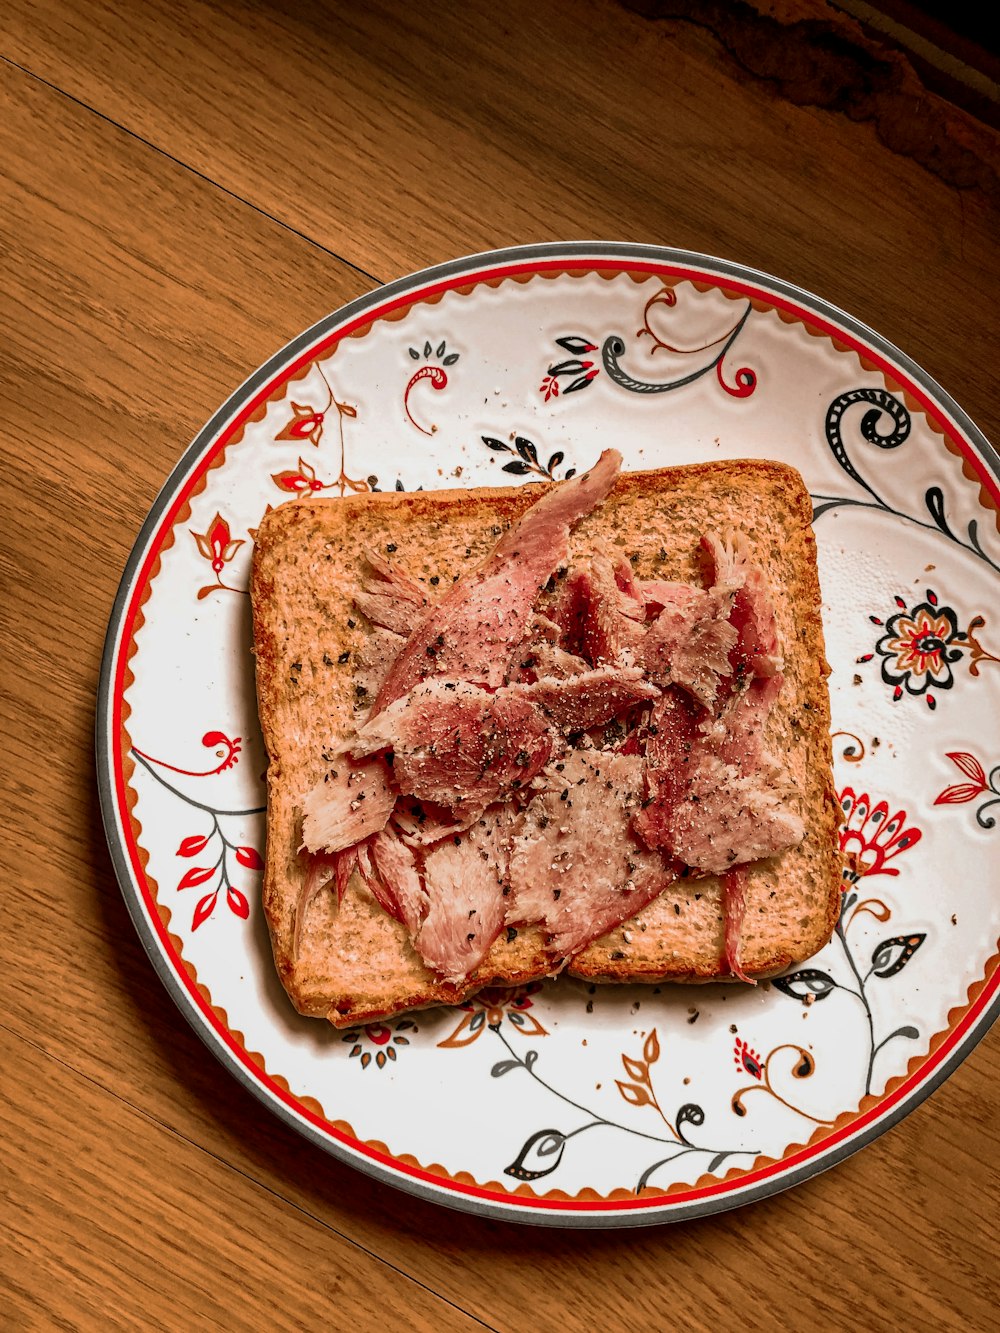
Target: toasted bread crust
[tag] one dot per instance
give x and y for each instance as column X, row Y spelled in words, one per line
column 355, row 963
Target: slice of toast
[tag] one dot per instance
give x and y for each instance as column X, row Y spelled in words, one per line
column 353, row 962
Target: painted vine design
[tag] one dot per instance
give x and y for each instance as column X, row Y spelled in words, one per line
column 215, row 875
column 886, row 424
column 579, row 373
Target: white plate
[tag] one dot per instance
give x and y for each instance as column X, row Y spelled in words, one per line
column 562, row 1104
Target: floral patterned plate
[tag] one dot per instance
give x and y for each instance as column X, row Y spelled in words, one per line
column 560, row 1103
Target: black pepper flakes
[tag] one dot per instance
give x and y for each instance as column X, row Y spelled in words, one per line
column 511, row 934
column 344, row 657
column 391, row 548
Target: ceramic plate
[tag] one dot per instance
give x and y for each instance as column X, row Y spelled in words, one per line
column 558, row 1103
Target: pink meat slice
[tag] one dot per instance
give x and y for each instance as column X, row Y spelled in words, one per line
column 388, row 596
column 671, row 755
column 457, row 745
column 469, row 633
column 590, row 698
column 548, row 661
column 399, row 874
column 690, row 641
column 576, row 866
column 736, row 731
column 726, row 818
column 373, row 660
column 753, row 616
column 353, row 800
column 590, row 609
column 463, row 879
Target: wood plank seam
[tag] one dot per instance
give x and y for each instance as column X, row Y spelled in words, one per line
column 251, row 1180
column 186, row 166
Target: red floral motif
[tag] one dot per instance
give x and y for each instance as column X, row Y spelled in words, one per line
column 747, row 1059
column 194, row 844
column 964, row 791
column 979, row 782
column 227, row 755
column 871, row 837
column 385, row 1039
column 492, row 1007
column 302, row 482
column 308, row 423
column 218, row 546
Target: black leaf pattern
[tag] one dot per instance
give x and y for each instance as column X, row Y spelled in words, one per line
column 450, row 359
column 892, row 955
column 532, row 1161
column 807, row 981
column 497, row 445
column 526, row 449
column 555, row 460
column 934, row 500
column 504, row 1067
column 518, row 468
column 577, row 345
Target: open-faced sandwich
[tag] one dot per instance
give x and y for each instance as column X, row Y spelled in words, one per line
column 578, row 726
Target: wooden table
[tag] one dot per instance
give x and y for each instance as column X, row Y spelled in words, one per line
column 186, row 186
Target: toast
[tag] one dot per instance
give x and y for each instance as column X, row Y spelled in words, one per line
column 351, row 962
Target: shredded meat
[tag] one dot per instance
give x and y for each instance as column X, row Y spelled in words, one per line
column 555, row 757
column 469, row 633
column 352, row 801
column 463, row 880
column 576, row 866
column 457, row 745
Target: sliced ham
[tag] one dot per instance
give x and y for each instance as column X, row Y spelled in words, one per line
column 464, row 883
column 469, row 633
column 734, row 901
column 576, row 866
column 590, row 698
column 671, row 736
column 547, row 660
column 726, row 818
column 389, row 597
column 459, row 746
column 421, row 823
column 373, row 660
column 736, row 731
column 399, row 877
column 591, row 611
column 752, row 616
column 353, row 800
column 690, row 641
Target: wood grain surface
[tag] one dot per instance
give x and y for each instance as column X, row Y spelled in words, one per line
column 186, row 187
